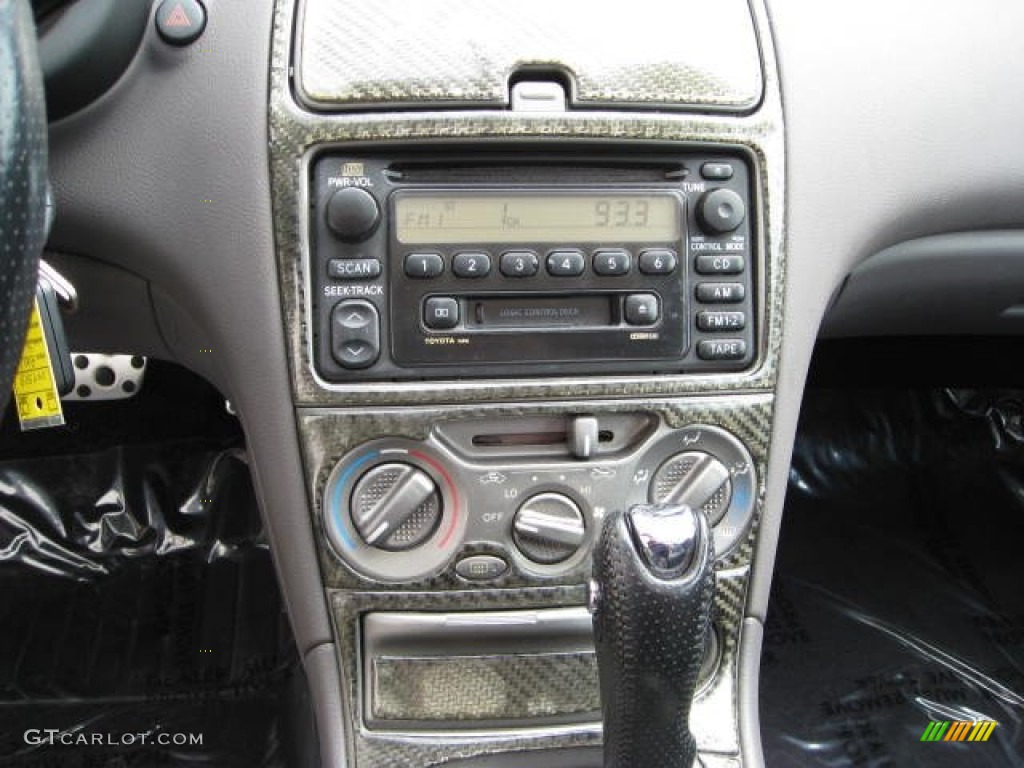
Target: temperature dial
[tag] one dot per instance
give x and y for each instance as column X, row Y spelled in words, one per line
column 396, row 507
column 696, row 479
column 548, row 528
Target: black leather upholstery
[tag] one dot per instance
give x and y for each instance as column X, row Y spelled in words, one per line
column 22, row 181
column 649, row 635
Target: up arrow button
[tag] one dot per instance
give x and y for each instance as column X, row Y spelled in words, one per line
column 355, row 334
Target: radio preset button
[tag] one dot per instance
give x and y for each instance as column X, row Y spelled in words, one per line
column 721, row 293
column 720, row 264
column 565, row 263
column 612, row 262
column 441, row 313
column 721, row 321
column 641, row 309
column 471, row 265
column 424, row 265
column 724, row 349
column 519, row 263
column 353, row 269
column 355, row 333
column 657, row 261
column 716, row 171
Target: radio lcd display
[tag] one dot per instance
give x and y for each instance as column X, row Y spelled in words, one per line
column 480, row 217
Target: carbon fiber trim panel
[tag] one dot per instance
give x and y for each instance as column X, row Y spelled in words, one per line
column 713, row 718
column 295, row 134
column 445, row 53
column 329, row 435
column 468, row 688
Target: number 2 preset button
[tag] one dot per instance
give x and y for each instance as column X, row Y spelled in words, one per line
column 471, row 264
column 423, row 264
column 519, row 263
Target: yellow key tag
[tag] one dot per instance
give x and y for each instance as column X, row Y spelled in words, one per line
column 35, row 389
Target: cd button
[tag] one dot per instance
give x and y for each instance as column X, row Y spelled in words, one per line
column 720, row 293
column 612, row 262
column 441, row 313
column 519, row 263
column 471, row 265
column 424, row 265
column 565, row 263
column 641, row 309
column 719, row 264
column 657, row 261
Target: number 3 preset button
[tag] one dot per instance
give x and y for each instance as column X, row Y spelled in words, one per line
column 519, row 263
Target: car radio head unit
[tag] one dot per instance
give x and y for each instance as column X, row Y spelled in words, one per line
column 536, row 265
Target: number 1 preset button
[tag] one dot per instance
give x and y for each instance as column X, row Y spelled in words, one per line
column 423, row 265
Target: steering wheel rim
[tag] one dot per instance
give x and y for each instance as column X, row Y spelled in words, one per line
column 22, row 181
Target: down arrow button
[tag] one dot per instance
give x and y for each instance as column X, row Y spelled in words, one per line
column 355, row 334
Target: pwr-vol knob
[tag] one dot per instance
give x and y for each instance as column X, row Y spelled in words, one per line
column 696, row 479
column 548, row 528
column 396, row 506
column 352, row 214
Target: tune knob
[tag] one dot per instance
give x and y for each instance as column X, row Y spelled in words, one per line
column 396, row 506
column 696, row 479
column 352, row 214
column 720, row 211
column 548, row 528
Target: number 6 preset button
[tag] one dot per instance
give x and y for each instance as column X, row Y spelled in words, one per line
column 519, row 263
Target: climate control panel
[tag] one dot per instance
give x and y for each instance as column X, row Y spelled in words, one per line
column 526, row 496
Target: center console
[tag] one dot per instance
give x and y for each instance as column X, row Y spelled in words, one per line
column 522, row 290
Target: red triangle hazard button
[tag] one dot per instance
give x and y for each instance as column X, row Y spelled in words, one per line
column 178, row 18
column 180, row 22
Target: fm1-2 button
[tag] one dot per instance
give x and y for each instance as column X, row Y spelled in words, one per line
column 641, row 309
column 440, row 313
column 355, row 334
column 721, row 321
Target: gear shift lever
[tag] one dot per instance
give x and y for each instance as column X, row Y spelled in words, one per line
column 651, row 599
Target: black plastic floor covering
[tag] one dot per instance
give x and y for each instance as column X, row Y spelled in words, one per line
column 898, row 596
column 137, row 594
